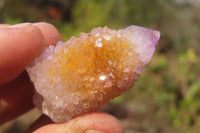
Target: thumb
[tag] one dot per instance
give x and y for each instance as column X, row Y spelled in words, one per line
column 94, row 122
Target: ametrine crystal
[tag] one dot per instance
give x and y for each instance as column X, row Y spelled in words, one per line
column 83, row 74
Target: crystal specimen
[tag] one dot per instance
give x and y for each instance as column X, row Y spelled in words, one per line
column 83, row 74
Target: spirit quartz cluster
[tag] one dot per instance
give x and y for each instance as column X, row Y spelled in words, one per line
column 83, row 74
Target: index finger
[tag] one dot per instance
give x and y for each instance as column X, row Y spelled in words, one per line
column 20, row 44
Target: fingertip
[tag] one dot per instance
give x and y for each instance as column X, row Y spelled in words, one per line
column 19, row 45
column 100, row 121
column 50, row 33
column 90, row 122
column 22, row 43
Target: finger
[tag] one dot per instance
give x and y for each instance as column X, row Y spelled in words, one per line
column 19, row 44
column 87, row 123
column 15, row 98
column 50, row 33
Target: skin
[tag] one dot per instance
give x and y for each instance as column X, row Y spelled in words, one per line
column 19, row 45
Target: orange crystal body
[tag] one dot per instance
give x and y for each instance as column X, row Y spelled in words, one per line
column 94, row 70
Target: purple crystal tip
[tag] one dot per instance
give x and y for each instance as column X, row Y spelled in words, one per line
column 145, row 40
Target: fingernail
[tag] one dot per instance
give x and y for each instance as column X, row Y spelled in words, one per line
column 3, row 106
column 94, row 131
column 22, row 25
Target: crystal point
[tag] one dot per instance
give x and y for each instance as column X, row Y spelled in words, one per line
column 83, row 74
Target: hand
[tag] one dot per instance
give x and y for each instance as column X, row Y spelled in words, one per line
column 19, row 45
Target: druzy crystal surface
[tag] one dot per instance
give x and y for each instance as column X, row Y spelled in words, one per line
column 83, row 74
